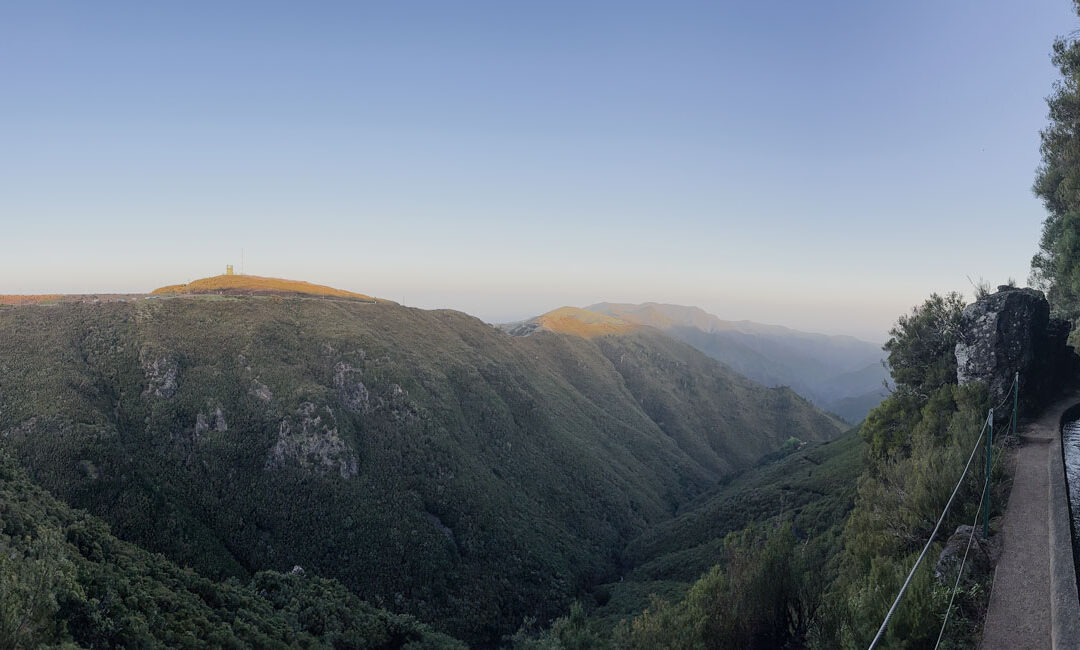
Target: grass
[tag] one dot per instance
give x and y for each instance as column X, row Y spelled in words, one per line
column 28, row 299
column 587, row 324
column 257, row 284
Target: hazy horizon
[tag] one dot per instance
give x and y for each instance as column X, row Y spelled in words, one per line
column 824, row 167
column 534, row 305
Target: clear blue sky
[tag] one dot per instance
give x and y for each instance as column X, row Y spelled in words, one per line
column 823, row 165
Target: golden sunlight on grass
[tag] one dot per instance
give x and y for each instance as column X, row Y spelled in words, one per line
column 28, row 300
column 256, row 284
column 571, row 320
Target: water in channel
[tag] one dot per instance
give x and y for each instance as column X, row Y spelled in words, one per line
column 1070, row 443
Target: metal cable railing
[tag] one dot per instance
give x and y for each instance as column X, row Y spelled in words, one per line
column 984, row 507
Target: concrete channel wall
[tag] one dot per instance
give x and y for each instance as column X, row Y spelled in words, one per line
column 1064, row 600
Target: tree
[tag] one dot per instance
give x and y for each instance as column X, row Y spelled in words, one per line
column 1056, row 267
column 923, row 365
column 921, row 345
column 757, row 598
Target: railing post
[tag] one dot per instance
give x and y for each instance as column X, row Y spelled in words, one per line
column 1016, row 402
column 986, row 485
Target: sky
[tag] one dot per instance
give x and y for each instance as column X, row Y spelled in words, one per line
column 824, row 166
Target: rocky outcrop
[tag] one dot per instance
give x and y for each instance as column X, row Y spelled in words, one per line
column 1011, row 331
column 979, row 558
column 352, row 392
column 261, row 390
column 313, row 443
column 161, row 375
column 215, row 421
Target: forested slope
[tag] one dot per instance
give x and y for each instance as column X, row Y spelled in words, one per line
column 65, row 579
column 432, row 463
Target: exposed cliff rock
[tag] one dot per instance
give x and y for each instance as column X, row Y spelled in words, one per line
column 161, row 373
column 312, row 443
column 261, row 390
column 352, row 392
column 215, row 421
column 1011, row 331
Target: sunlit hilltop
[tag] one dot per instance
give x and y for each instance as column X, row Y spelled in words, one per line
column 572, row 320
column 256, row 284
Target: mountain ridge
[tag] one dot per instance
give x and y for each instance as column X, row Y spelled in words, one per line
column 255, row 284
column 571, row 320
column 839, row 373
column 470, row 478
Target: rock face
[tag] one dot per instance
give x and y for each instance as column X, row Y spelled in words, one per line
column 1011, row 331
column 313, row 444
column 161, row 373
column 981, row 556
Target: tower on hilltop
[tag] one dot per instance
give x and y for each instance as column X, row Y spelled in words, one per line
column 228, row 269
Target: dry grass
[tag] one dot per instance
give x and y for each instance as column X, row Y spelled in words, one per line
column 587, row 324
column 29, row 299
column 256, row 284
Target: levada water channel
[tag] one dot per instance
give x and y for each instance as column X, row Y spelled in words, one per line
column 1070, row 443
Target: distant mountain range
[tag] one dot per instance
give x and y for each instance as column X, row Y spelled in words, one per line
column 840, row 374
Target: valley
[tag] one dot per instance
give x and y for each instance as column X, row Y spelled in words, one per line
column 539, row 326
column 839, row 374
column 431, row 463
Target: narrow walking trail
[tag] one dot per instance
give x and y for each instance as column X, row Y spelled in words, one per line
column 1033, row 603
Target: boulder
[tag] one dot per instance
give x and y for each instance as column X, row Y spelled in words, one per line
column 981, row 557
column 1011, row 331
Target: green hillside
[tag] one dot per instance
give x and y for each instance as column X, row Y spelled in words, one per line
column 433, row 464
column 808, row 549
column 65, row 579
column 744, row 565
column 814, row 485
column 812, row 488
column 840, row 374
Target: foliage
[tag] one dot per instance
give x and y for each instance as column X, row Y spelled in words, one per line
column 921, row 345
column 813, row 489
column 760, row 595
column 752, row 602
column 431, row 463
column 64, row 579
column 743, row 564
column 798, row 565
column 919, row 440
column 1056, row 267
column 435, row 466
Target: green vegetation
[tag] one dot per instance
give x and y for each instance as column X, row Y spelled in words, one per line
column 1056, row 267
column 919, row 441
column 741, row 566
column 755, row 601
column 431, row 463
column 810, row 548
column 427, row 464
column 840, row 374
column 66, row 581
column 812, row 488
